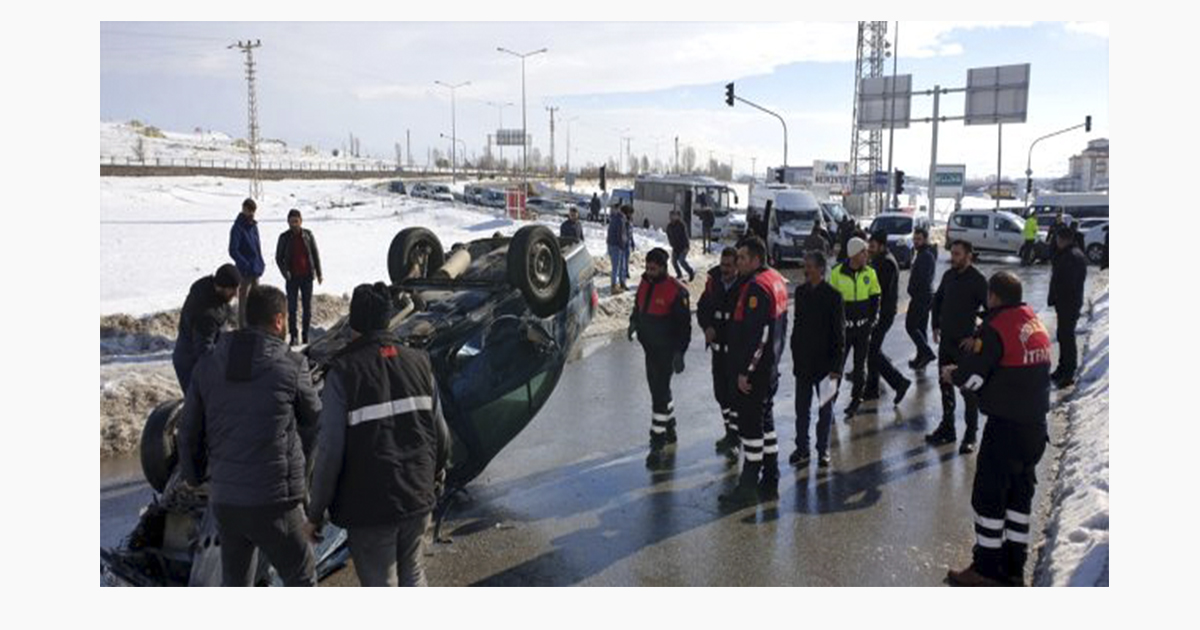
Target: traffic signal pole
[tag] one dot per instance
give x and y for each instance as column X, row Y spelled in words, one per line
column 730, row 98
column 1087, row 126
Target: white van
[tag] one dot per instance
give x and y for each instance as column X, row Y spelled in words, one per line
column 791, row 221
column 988, row 231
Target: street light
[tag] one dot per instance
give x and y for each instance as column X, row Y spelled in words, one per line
column 524, row 133
column 569, row 141
column 1087, row 125
column 455, row 142
column 500, row 110
column 453, row 128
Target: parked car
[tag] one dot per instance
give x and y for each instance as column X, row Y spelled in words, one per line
column 441, row 192
column 494, row 199
column 899, row 227
column 419, row 190
column 545, row 206
column 988, row 231
column 499, row 317
column 1094, row 242
column 397, row 186
column 620, row 197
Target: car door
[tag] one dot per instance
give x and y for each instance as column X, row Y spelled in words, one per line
column 1006, row 234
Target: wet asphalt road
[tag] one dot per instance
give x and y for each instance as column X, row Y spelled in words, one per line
column 570, row 501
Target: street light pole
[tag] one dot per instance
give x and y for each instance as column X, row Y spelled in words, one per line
column 524, row 132
column 453, row 129
column 1029, row 160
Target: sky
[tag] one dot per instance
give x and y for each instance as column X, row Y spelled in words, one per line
column 649, row 82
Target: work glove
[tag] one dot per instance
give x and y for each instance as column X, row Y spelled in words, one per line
column 678, row 363
column 631, row 331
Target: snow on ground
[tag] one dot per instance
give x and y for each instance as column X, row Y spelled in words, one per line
column 1076, row 551
column 159, row 234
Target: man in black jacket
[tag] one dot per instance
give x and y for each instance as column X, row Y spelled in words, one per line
column 920, row 298
column 818, row 351
column 384, row 445
column 1009, row 368
column 299, row 261
column 757, row 332
column 204, row 312
column 662, row 320
column 571, row 228
column 594, row 208
column 713, row 312
column 249, row 424
column 1067, row 278
column 677, row 235
column 960, row 300
column 878, row 364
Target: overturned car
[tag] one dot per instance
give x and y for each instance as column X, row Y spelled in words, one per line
column 499, row 318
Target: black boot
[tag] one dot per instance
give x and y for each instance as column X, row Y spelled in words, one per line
column 768, row 487
column 728, row 445
column 658, row 447
column 852, row 408
column 901, row 392
column 943, row 434
column 745, row 493
column 800, row 457
column 968, row 444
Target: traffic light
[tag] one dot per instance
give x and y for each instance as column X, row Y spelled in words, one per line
column 1087, row 123
column 729, row 94
column 899, row 182
column 778, row 174
column 603, row 181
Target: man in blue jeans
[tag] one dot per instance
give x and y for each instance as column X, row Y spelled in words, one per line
column 246, row 252
column 618, row 240
column 818, row 351
column 299, row 262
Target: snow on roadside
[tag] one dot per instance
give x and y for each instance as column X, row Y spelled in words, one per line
column 1076, row 549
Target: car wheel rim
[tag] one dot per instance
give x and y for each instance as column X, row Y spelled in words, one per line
column 542, row 267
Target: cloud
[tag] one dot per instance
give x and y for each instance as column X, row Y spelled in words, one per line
column 1099, row 29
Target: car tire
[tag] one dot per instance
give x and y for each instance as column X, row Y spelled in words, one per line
column 1095, row 253
column 408, row 247
column 537, row 268
column 158, row 453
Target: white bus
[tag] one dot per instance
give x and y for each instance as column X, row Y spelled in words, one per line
column 654, row 197
column 1076, row 205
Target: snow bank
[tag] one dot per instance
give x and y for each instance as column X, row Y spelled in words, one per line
column 1076, row 551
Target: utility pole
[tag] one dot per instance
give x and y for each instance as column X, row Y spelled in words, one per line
column 676, row 155
column 524, row 132
column 937, row 91
column 408, row 145
column 895, row 203
column 754, row 167
column 252, row 110
column 453, row 129
column 553, row 164
column 999, row 144
column 628, row 154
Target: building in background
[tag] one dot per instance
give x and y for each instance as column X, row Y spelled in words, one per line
column 1088, row 170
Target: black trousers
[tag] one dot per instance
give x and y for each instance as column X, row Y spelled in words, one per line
column 303, row 287
column 724, row 387
column 804, row 399
column 915, row 323
column 1068, row 351
column 276, row 530
column 754, row 416
column 878, row 364
column 949, row 353
column 659, row 369
column 707, row 232
column 1005, row 477
column 858, row 340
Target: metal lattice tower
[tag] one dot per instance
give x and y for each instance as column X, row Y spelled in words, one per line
column 252, row 110
column 553, row 164
column 866, row 147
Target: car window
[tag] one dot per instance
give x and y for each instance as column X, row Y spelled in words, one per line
column 1004, row 224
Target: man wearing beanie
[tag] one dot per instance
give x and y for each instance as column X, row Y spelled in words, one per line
column 204, row 311
column 384, row 446
column 859, row 286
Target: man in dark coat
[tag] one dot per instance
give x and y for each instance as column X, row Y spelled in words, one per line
column 299, row 262
column 246, row 251
column 1067, row 278
column 249, row 425
column 878, row 363
column 571, row 228
column 384, row 445
column 920, row 298
column 594, row 208
column 818, row 352
column 713, row 312
column 204, row 313
column 677, row 236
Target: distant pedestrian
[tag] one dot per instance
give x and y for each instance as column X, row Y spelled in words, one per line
column 878, row 364
column 630, row 245
column 713, row 312
column 384, row 446
column 1009, row 369
column 594, row 208
column 818, row 352
column 817, row 240
column 920, row 298
column 1030, row 234
column 757, row 334
column 618, row 241
column 960, row 301
column 571, row 228
column 204, row 312
column 1068, row 276
column 299, row 261
column 708, row 219
column 246, row 251
column 858, row 285
column 662, row 321
column 677, row 235
column 249, row 425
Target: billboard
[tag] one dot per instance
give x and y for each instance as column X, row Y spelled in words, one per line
column 998, row 94
column 950, row 179
column 511, row 137
column 880, row 101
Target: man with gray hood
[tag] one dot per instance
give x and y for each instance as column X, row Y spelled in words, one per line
column 384, row 447
column 249, row 424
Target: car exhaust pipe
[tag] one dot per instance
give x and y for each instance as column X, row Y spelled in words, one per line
column 455, row 265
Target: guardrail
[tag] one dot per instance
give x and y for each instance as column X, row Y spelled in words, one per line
column 113, row 166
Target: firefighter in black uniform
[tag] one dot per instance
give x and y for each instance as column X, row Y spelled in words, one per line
column 756, row 336
column 960, row 299
column 662, row 321
column 878, row 364
column 1067, row 278
column 1009, row 367
column 713, row 312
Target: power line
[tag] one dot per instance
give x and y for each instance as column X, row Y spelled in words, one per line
column 161, row 35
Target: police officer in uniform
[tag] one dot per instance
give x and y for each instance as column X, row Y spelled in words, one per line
column 756, row 336
column 713, row 312
column 878, row 364
column 859, row 286
column 960, row 299
column 662, row 321
column 1009, row 367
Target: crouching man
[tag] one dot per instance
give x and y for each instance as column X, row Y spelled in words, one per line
column 382, row 449
column 1010, row 369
